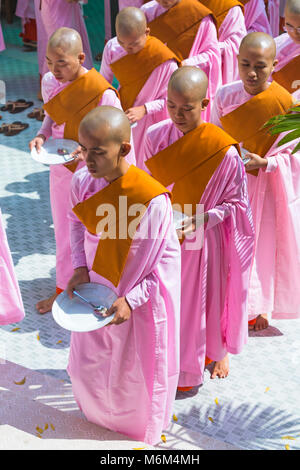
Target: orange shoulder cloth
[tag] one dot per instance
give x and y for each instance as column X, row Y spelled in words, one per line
column 129, row 193
column 289, row 74
column 220, row 8
column 246, row 122
column 75, row 101
column 133, row 70
column 190, row 162
column 178, row 26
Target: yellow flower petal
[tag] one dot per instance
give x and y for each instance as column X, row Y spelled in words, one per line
column 46, row 426
column 291, row 438
column 287, row 447
column 210, row 419
column 38, row 435
column 39, row 430
column 21, row 382
column 59, row 341
column 175, row 418
column 267, row 389
column 163, row 438
column 216, row 401
column 139, row 448
column 15, row 329
column 38, row 337
column 52, row 427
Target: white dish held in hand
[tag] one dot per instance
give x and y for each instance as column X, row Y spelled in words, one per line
column 55, row 152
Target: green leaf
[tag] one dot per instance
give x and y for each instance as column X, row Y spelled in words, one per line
column 296, row 149
column 290, row 137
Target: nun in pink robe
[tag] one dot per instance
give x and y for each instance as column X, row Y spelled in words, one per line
column 11, row 305
column 213, row 319
column 231, row 33
column 275, row 202
column 274, row 16
column 52, row 15
column 256, row 18
column 204, row 54
column 107, row 12
column 152, row 95
column 286, row 50
column 60, row 179
column 124, row 377
column 2, row 44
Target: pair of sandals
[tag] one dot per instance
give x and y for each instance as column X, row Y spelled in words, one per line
column 18, row 106
column 13, row 128
column 37, row 113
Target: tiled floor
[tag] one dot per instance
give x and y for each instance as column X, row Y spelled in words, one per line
column 258, row 404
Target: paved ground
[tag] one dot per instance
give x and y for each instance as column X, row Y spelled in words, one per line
column 258, row 404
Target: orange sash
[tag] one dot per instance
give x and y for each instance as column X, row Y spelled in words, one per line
column 220, row 8
column 288, row 74
column 133, row 70
column 66, row 108
column 114, row 245
column 245, row 123
column 190, row 163
column 178, row 26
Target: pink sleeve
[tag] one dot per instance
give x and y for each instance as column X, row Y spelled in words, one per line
column 105, row 69
column 77, row 231
column 233, row 29
column 216, row 112
column 272, row 164
column 110, row 98
column 206, row 41
column 46, row 128
column 235, row 194
column 163, row 74
column 46, row 88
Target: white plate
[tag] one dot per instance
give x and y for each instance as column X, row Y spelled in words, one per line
column 76, row 315
column 48, row 154
column 178, row 218
column 244, row 152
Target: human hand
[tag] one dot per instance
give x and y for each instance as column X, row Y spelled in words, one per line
column 37, row 142
column 121, row 309
column 190, row 224
column 136, row 113
column 256, row 162
column 80, row 276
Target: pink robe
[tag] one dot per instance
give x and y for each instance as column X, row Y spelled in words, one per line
column 2, row 43
column 124, row 377
column 231, row 33
column 287, row 50
column 275, row 203
column 256, row 18
column 25, row 9
column 274, row 16
column 11, row 305
column 56, row 14
column 213, row 296
column 205, row 52
column 153, row 94
column 60, row 180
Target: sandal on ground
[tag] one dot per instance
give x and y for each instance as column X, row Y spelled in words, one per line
column 19, row 106
column 9, row 104
column 15, row 128
column 4, row 127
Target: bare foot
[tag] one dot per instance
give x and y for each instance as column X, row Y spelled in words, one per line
column 221, row 368
column 44, row 306
column 261, row 323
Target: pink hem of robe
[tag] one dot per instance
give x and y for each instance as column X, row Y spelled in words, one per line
column 274, row 17
column 11, row 304
column 256, row 18
column 211, row 324
column 274, row 197
column 60, row 180
column 153, row 94
column 205, row 52
column 25, row 9
column 125, row 377
column 56, row 14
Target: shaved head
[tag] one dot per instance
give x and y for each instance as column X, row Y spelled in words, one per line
column 106, row 121
column 67, row 39
column 190, row 81
column 261, row 41
column 293, row 6
column 130, row 21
